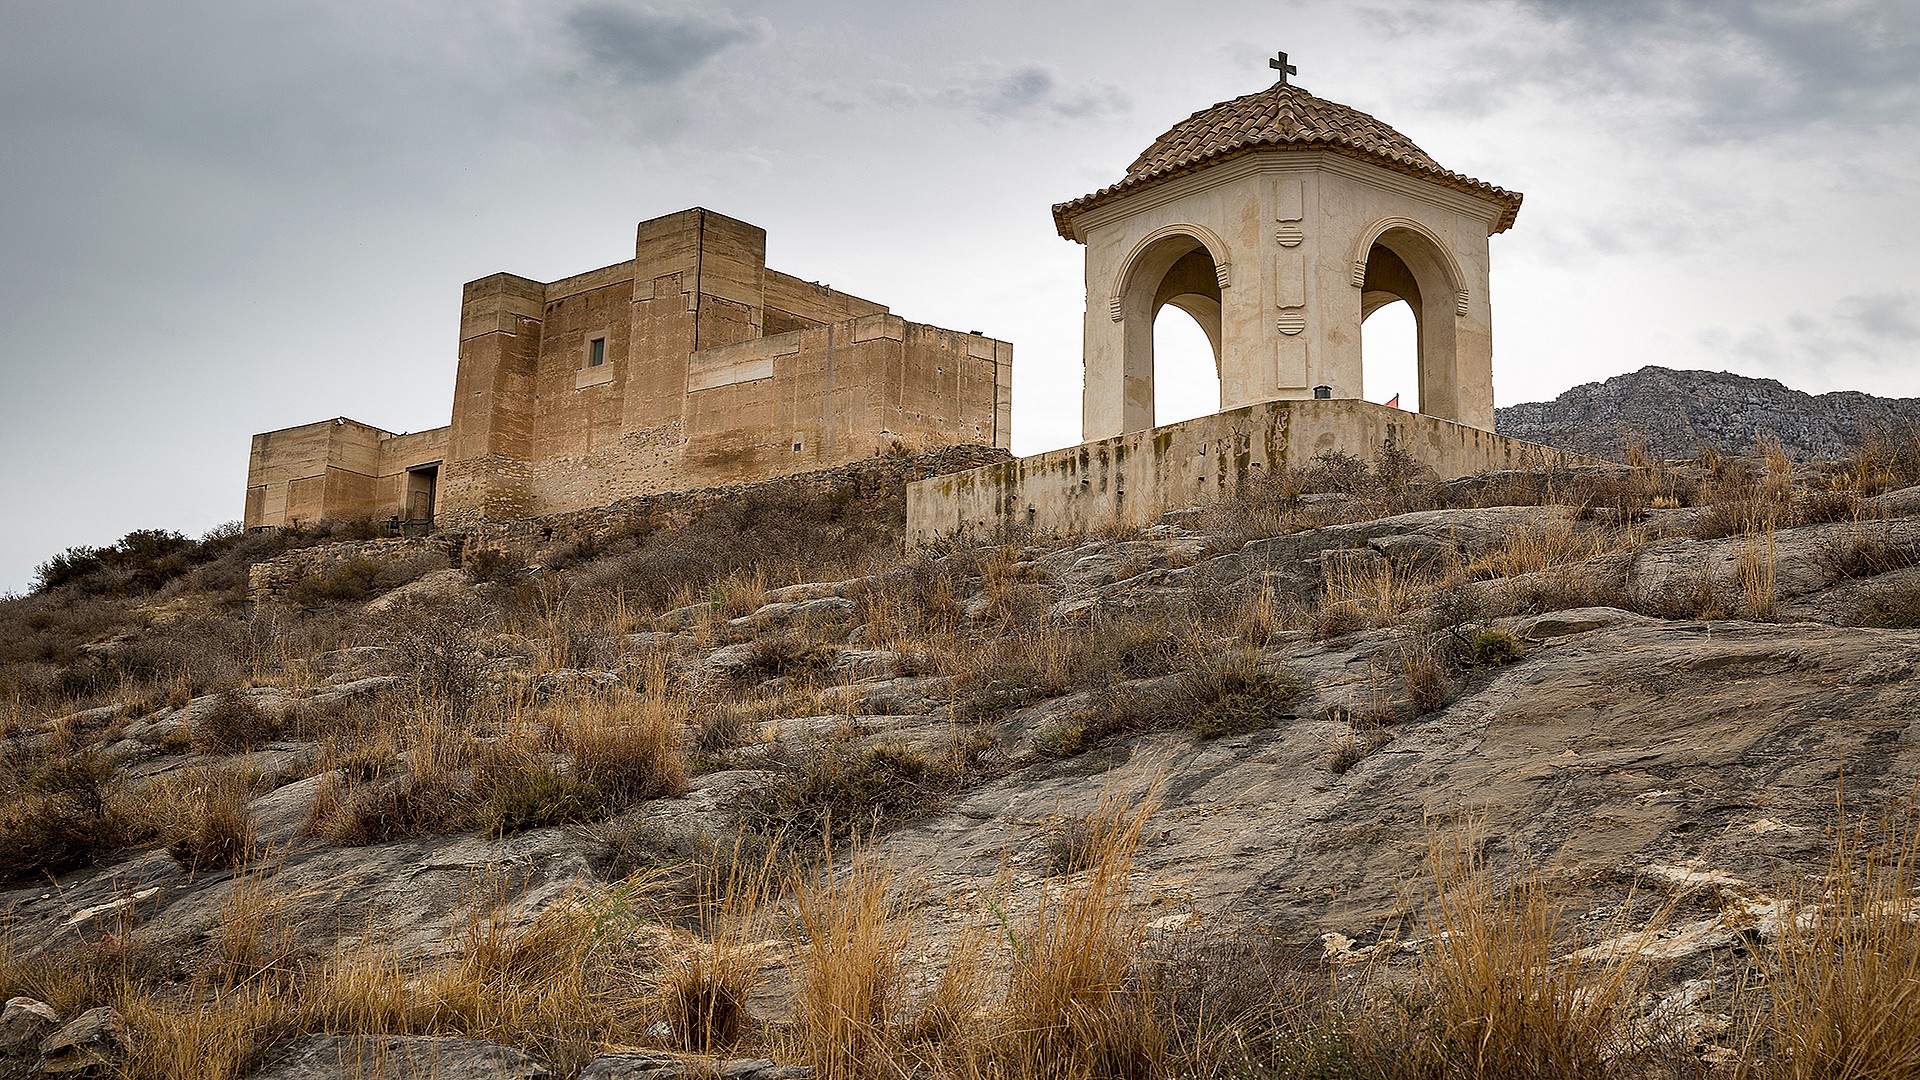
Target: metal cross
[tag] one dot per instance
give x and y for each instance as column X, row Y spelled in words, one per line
column 1280, row 64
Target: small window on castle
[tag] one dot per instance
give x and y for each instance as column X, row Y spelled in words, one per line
column 596, row 352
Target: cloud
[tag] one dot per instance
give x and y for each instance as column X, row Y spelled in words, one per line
column 1861, row 340
column 1742, row 68
column 646, row 46
column 1011, row 93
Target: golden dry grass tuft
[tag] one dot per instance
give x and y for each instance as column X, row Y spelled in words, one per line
column 1842, row 980
column 854, row 929
column 1507, row 1002
column 1070, row 1008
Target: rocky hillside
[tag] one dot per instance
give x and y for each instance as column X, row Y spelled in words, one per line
column 1227, row 796
column 1676, row 414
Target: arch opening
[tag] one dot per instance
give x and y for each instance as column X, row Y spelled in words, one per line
column 1404, row 267
column 1390, row 356
column 1186, row 375
column 1177, row 271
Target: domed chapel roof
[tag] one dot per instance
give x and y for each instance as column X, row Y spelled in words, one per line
column 1281, row 117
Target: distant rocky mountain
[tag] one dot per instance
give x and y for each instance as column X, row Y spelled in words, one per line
column 1680, row 413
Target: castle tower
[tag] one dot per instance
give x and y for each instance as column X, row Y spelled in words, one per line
column 1279, row 221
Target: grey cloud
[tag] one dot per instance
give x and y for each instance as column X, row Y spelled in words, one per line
column 1859, row 341
column 1751, row 67
column 1003, row 93
column 647, row 46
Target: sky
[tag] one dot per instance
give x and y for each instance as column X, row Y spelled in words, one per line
column 219, row 217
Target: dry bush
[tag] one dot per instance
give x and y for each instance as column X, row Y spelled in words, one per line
column 1865, row 548
column 1229, row 693
column 838, row 790
column 1070, row 1009
column 854, row 931
column 234, row 723
column 1886, row 455
column 1894, row 605
column 1842, row 980
column 217, row 832
column 1506, row 1002
column 57, row 812
column 631, row 747
column 790, row 652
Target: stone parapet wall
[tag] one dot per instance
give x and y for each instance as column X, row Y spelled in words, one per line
column 875, row 480
column 273, row 580
column 1135, row 478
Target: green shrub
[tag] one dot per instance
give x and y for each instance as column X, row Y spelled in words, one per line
column 55, row 814
column 540, row 798
column 1490, row 648
column 1232, row 695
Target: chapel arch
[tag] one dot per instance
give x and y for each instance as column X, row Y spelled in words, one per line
column 1177, row 267
column 1404, row 262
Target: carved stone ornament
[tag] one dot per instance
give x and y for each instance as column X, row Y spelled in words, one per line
column 1292, row 322
column 1289, row 236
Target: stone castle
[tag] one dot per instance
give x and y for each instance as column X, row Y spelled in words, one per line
column 691, row 365
column 1278, row 220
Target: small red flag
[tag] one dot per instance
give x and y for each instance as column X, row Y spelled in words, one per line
column 1393, row 402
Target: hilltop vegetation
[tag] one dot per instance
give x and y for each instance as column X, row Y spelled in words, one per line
column 1360, row 775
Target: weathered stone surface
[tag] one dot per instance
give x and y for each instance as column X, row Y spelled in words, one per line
column 96, row 1039
column 24, row 1023
column 436, row 587
column 818, row 609
column 399, row 1057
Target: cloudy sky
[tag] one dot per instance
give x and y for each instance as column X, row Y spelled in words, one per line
column 226, row 216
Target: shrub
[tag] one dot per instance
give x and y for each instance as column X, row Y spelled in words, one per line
column 233, row 724
column 1896, row 606
column 838, row 790
column 540, row 798
column 787, row 652
column 56, row 813
column 1490, row 647
column 219, row 832
column 1232, row 695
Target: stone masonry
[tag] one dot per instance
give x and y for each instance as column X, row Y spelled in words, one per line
column 690, row 365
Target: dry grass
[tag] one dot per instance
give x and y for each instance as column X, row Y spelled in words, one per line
column 630, row 747
column 1758, row 565
column 1842, row 980
column 1507, row 1001
column 1364, row 594
column 854, row 933
column 703, row 990
column 1070, row 1009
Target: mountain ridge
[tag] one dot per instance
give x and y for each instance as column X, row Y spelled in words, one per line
column 1678, row 413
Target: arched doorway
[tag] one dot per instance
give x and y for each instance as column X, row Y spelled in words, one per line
column 1177, row 270
column 1186, row 368
column 1390, row 356
column 1408, row 266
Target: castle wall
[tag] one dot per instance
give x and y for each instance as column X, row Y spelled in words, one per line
column 334, row 470
column 712, row 369
column 1135, row 478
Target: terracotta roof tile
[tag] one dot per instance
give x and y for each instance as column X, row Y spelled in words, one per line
column 1282, row 117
